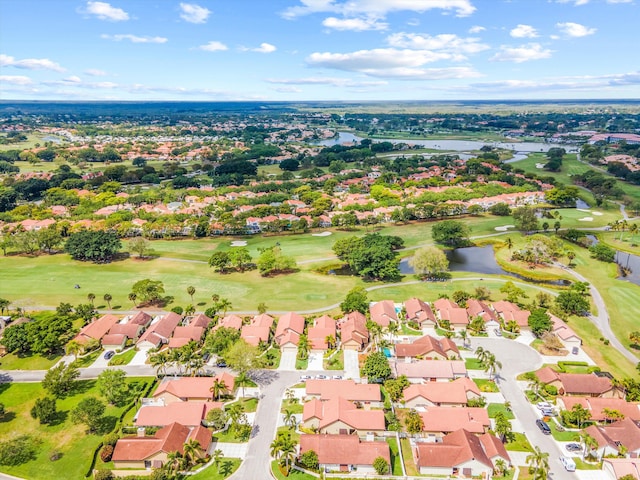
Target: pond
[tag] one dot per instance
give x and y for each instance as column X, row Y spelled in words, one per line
column 626, row 260
column 477, row 260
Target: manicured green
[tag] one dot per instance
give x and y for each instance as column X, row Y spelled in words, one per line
column 407, row 455
column 86, row 360
column 295, row 407
column 335, row 361
column 221, row 471
column 520, row 443
column 71, row 440
column 123, row 358
column 473, row 364
column 582, row 465
column 486, row 385
column 302, row 363
column 494, row 408
column 250, row 404
column 293, row 474
column 396, row 461
column 566, row 436
column 12, row 361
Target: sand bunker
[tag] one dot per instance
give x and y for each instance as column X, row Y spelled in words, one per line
column 583, row 210
column 539, row 165
column 586, row 219
column 321, row 234
column 239, row 243
column 504, row 228
column 597, row 214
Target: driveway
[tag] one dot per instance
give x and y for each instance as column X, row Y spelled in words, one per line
column 315, row 361
column 231, row 450
column 517, row 358
column 100, row 362
column 351, row 369
column 140, row 358
column 288, row 360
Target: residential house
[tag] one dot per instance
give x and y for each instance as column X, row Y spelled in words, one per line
column 189, row 414
column 364, row 393
column 159, row 331
column 140, row 318
column 616, row 468
column 120, row 333
column 430, row 371
column 611, row 437
column 323, row 327
column 340, row 416
column 230, row 321
column 146, row 452
column 439, row 421
column 345, row 453
column 183, row 335
column 580, row 384
column 450, row 311
column 96, row 329
column 428, row 347
column 200, row 320
column 477, row 308
column 461, row 454
column 509, row 311
column 419, row 311
column 258, row 330
column 449, row 394
column 598, row 405
column 189, row 389
column 383, row 313
column 353, row 331
column 565, row 333
column 290, row 327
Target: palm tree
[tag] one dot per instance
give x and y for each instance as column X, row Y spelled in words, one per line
column 73, row 348
column 197, row 364
column 235, row 411
column 4, row 304
column 492, row 365
column 191, row 290
column 538, row 461
column 509, row 243
column 224, row 305
column 289, row 419
column 242, row 380
column 91, row 297
column 173, row 463
column 218, row 387
column 189, row 310
column 159, row 361
column 215, row 298
column 287, row 452
column 481, row 354
column 303, row 346
column 464, row 335
column 132, row 298
column 393, row 329
column 107, row 298
column 191, row 451
column 217, row 455
column 589, row 442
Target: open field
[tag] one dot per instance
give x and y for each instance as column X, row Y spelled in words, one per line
column 623, row 241
column 30, row 142
column 69, row 439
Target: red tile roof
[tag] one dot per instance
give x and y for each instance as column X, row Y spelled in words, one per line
column 455, row 392
column 97, row 329
column 458, row 448
column 344, row 449
column 447, row 419
column 290, row 322
column 418, row 310
column 339, row 409
column 190, row 414
column 597, row 405
column 427, row 345
column 356, row 392
column 383, row 313
column 623, row 432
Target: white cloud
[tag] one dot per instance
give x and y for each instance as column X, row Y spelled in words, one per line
column 15, row 80
column 94, row 72
column 377, row 8
column 30, row 63
column 213, row 47
column 477, row 29
column 265, row 48
column 524, row 31
column 523, row 53
column 192, row 13
column 446, row 42
column 73, row 79
column 576, row 30
column 354, row 24
column 134, row 38
column 564, row 83
column 584, row 2
column 391, row 63
column 105, row 11
column 331, row 81
column 290, row 89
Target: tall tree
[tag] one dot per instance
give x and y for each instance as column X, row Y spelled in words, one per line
column 451, row 233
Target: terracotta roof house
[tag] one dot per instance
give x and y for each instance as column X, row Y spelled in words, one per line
column 509, row 311
column 616, row 468
column 263, row 320
column 140, row 318
column 449, row 394
column 353, row 332
column 366, row 393
column 96, row 329
column 344, row 453
column 477, row 308
column 159, row 331
column 189, row 414
column 430, row 371
column 258, row 330
column 114, row 341
column 610, row 437
column 383, row 313
column 461, row 453
column 200, row 320
column 580, row 384
column 290, row 327
column 565, row 333
column 129, row 330
column 183, row 335
column 428, row 347
column 340, row 416
column 597, row 405
column 189, row 389
column 419, row 311
column 230, row 321
column 323, row 327
column 146, row 452
column 439, row 421
column 456, row 316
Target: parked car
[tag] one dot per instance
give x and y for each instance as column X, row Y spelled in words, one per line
column 109, row 354
column 221, row 364
column 544, row 428
column 568, row 464
column 206, row 357
column 573, row 447
column 575, row 350
column 498, row 332
column 321, row 377
column 305, row 377
column 542, row 405
column 548, row 412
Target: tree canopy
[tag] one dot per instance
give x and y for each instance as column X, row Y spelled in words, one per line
column 451, row 233
column 372, row 256
column 429, row 262
column 94, row 246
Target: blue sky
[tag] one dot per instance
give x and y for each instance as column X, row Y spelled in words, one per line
column 297, row 50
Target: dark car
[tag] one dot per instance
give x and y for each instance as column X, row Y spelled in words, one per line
column 221, row 364
column 109, row 354
column 573, row 447
column 544, row 428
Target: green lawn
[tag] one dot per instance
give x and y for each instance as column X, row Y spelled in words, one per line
column 218, row 472
column 293, row 474
column 520, row 443
column 250, row 404
column 335, row 362
column 88, row 359
column 295, row 407
column 71, row 440
column 494, row 408
column 486, row 385
column 473, row 364
column 407, row 455
column 623, row 241
column 582, row 465
column 565, row 436
column 123, row 358
column 12, row 361
column 302, row 363
column 396, row 461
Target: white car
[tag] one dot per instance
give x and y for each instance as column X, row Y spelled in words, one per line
column 544, row 406
column 568, row 464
